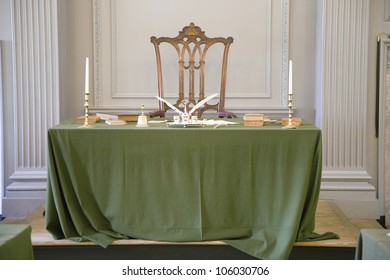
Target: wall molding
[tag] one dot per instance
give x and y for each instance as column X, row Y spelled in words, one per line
column 1, row 136
column 97, row 37
column 386, row 15
column 384, row 129
column 340, row 175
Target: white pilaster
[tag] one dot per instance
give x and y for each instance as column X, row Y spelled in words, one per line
column 1, row 139
column 36, row 99
column 341, row 104
column 384, row 129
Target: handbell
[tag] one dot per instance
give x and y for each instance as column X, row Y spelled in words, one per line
column 142, row 119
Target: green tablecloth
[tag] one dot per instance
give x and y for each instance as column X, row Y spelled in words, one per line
column 255, row 188
column 373, row 244
column 15, row 242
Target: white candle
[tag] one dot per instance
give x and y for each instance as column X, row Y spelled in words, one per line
column 87, row 75
column 290, row 77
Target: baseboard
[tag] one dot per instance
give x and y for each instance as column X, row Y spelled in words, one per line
column 23, row 197
column 357, row 200
column 360, row 210
column 20, row 207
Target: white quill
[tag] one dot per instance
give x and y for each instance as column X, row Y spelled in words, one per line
column 170, row 105
column 200, row 103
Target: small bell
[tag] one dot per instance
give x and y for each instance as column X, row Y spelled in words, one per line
column 142, row 119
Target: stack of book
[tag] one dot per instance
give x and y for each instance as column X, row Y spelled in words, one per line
column 294, row 121
column 91, row 119
column 122, row 117
column 253, row 119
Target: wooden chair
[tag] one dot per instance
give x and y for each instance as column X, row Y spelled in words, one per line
column 192, row 45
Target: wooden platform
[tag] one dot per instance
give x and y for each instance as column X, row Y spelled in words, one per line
column 328, row 218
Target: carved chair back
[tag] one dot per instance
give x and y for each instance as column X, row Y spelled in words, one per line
column 192, row 46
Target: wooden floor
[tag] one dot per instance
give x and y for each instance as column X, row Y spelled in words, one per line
column 328, row 218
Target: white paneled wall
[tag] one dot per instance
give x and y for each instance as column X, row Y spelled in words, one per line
column 341, row 87
column 36, row 95
column 125, row 67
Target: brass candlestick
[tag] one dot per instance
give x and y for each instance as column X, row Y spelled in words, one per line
column 86, row 107
column 290, row 112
